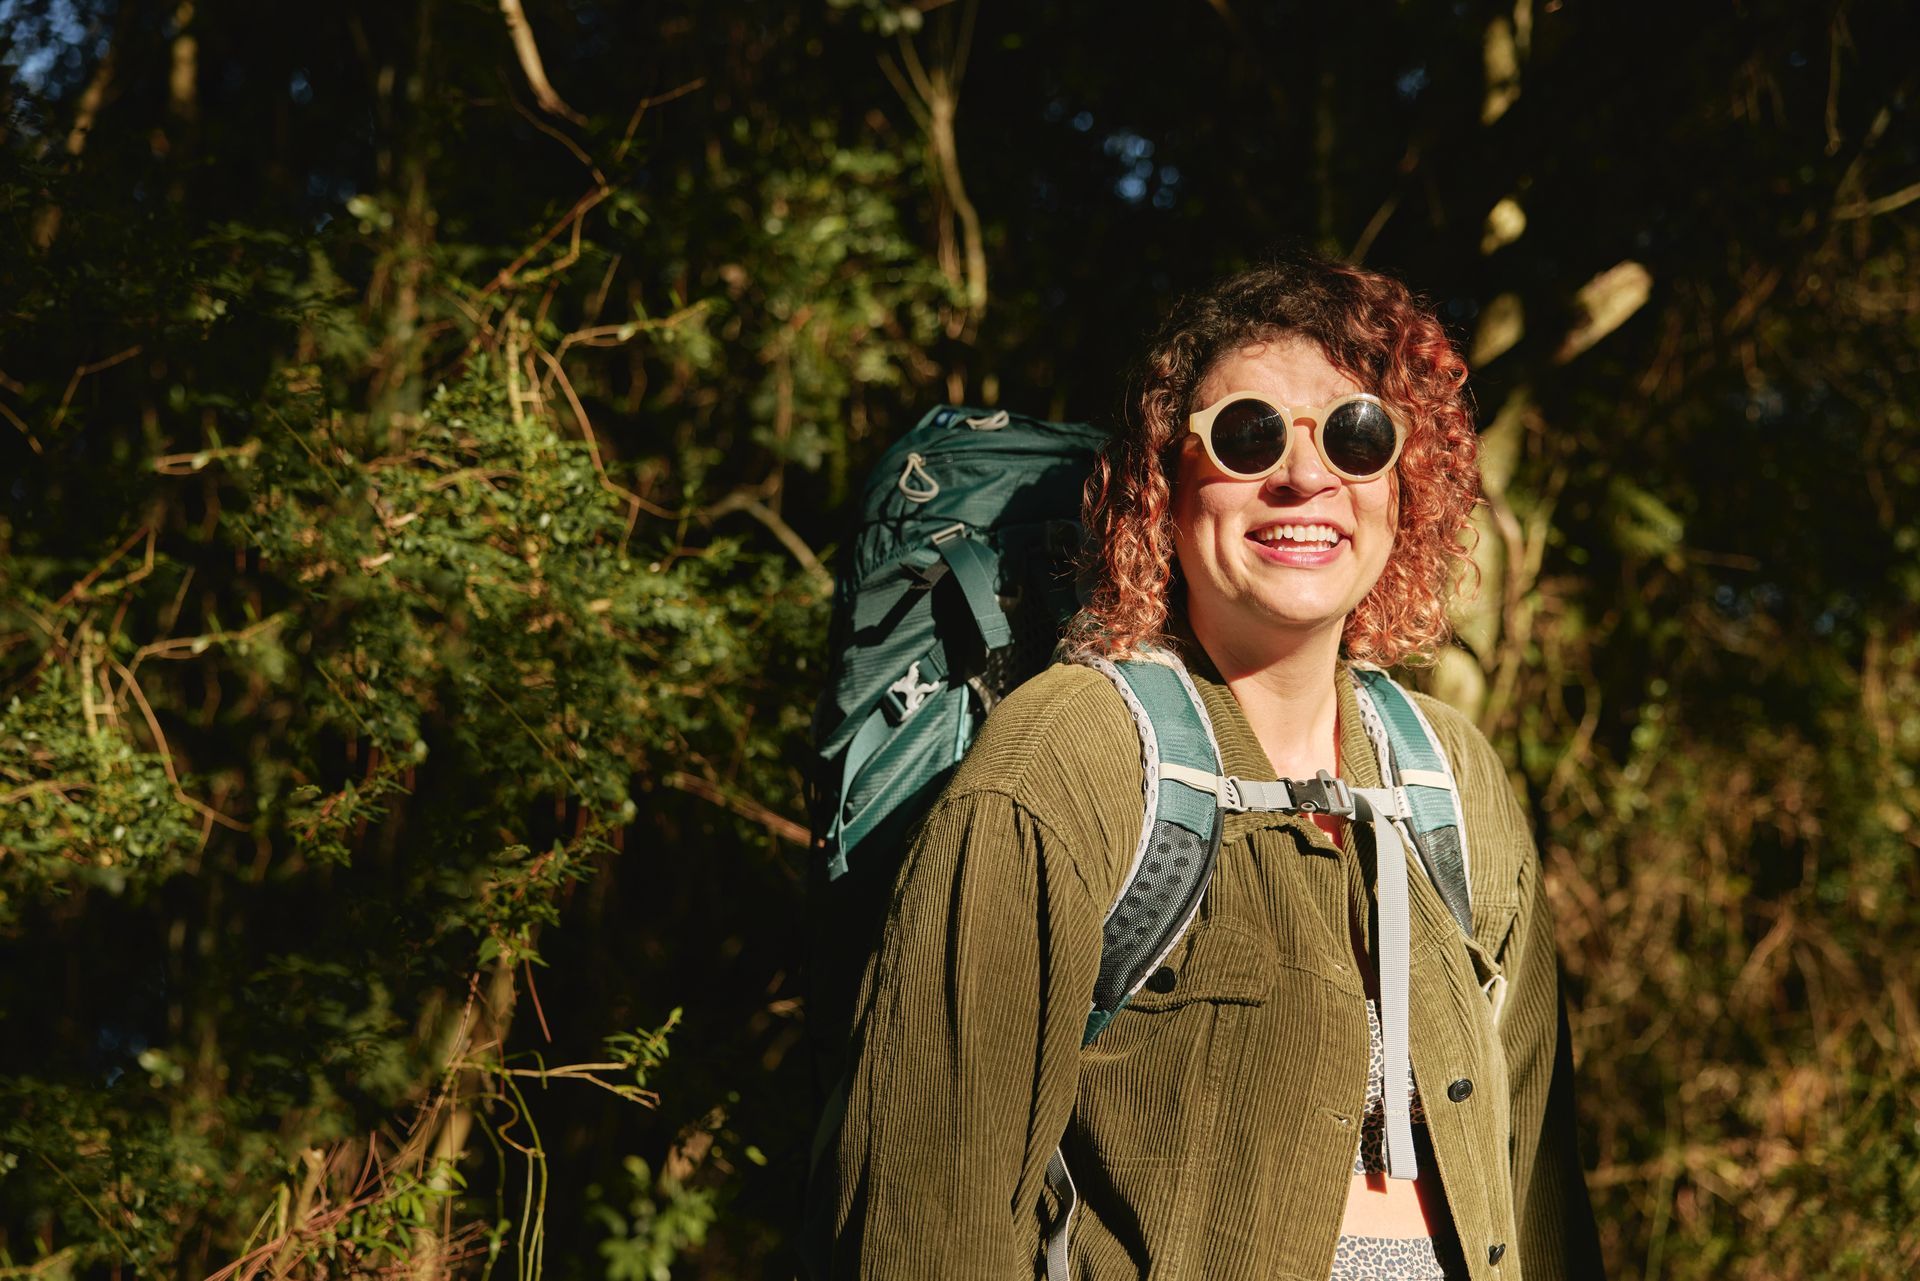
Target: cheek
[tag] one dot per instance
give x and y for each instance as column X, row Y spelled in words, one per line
column 1203, row 501
column 1201, row 506
column 1377, row 508
column 1194, row 504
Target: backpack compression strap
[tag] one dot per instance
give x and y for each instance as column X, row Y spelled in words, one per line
column 975, row 567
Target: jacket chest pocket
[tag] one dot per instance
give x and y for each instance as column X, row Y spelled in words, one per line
column 1150, row 1084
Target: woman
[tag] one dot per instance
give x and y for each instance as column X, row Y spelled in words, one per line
column 1226, row 1124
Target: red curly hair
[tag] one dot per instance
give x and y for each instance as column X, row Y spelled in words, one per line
column 1370, row 328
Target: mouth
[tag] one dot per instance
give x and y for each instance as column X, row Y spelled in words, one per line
column 1306, row 537
column 1297, row 542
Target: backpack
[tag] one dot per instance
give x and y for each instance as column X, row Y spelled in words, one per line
column 959, row 583
column 954, row 589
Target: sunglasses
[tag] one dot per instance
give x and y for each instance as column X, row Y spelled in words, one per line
column 1249, row 437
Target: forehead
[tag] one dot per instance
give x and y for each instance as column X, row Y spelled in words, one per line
column 1293, row 371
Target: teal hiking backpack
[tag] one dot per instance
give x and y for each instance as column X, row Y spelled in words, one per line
column 955, row 589
column 951, row 591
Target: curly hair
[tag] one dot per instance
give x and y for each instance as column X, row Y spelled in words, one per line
column 1370, row 328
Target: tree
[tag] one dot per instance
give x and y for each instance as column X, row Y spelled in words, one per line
column 430, row 428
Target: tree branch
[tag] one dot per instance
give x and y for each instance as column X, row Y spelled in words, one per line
column 777, row 824
column 746, row 500
column 536, row 71
column 1885, row 204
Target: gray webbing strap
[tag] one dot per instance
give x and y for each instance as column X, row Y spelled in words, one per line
column 1394, row 952
column 1057, row 1236
column 1233, row 794
column 1385, row 808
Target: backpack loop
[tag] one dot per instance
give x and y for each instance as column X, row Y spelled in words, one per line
column 923, row 490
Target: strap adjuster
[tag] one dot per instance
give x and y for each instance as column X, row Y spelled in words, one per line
column 1243, row 795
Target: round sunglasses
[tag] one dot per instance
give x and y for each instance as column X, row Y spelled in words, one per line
column 1248, row 437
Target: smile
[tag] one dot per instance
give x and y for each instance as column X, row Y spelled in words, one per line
column 1305, row 537
column 1298, row 545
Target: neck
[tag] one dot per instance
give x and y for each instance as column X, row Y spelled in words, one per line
column 1288, row 695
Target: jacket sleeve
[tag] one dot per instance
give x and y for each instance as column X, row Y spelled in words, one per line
column 1555, row 1220
column 966, row 1056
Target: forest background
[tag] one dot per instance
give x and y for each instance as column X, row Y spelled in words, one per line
column 429, row 429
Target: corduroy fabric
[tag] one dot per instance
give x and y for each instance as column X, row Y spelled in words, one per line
column 1211, row 1128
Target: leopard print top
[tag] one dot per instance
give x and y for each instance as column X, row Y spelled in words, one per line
column 1388, row 1259
column 1358, row 1258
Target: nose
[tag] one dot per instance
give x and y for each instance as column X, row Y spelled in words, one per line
column 1304, row 473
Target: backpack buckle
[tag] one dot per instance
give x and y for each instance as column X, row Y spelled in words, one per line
column 1322, row 794
column 905, row 695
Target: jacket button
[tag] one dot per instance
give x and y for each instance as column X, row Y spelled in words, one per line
column 1495, row 1253
column 1459, row 1090
column 1162, row 980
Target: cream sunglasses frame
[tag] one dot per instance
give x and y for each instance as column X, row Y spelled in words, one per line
column 1201, row 424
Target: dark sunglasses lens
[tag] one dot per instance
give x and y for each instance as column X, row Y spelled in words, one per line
column 1249, row 436
column 1359, row 438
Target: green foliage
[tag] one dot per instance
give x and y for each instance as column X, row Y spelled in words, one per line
column 661, row 1220
column 86, row 808
column 119, row 1182
column 416, row 501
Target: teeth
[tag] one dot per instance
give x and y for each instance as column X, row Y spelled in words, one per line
column 1324, row 535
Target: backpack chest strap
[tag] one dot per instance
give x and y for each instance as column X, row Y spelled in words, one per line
column 1387, row 810
column 1322, row 795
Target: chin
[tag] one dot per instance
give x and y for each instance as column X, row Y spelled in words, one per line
column 1301, row 616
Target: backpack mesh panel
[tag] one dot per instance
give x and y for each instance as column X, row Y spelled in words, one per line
column 1148, row 919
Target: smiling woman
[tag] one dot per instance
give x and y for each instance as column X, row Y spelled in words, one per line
column 1370, row 329
column 1294, row 550
column 1284, row 506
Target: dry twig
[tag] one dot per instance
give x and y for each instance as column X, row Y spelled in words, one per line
column 535, row 70
column 87, row 371
column 778, row 825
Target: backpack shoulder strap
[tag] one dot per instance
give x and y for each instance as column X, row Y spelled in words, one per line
column 1172, row 865
column 1179, row 834
column 1412, row 760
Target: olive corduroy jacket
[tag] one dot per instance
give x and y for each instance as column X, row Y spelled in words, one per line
column 1211, row 1128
